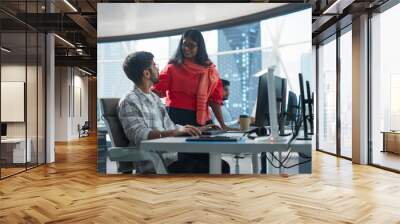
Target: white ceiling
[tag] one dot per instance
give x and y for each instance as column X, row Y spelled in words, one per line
column 119, row 19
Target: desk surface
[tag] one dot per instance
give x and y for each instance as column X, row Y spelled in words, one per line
column 13, row 140
column 179, row 144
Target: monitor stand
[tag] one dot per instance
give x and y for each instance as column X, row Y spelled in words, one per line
column 305, row 137
column 273, row 113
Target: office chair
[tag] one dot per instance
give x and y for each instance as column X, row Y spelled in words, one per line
column 84, row 129
column 120, row 150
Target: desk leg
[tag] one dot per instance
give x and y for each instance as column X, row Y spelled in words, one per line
column 305, row 167
column 280, row 159
column 215, row 163
column 254, row 160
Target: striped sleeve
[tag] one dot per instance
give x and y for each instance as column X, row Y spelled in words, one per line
column 133, row 122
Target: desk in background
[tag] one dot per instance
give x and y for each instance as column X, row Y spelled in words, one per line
column 13, row 150
column 391, row 141
column 215, row 149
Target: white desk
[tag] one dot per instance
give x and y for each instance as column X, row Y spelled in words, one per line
column 19, row 149
column 215, row 149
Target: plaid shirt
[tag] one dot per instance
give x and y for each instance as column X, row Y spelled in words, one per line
column 141, row 113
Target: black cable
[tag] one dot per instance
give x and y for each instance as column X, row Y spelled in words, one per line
column 297, row 164
column 281, row 163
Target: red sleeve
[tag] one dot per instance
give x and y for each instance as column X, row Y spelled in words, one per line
column 165, row 80
column 217, row 95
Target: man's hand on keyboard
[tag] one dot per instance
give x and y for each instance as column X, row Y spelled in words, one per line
column 188, row 129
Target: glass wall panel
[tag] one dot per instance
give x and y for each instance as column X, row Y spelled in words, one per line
column 346, row 94
column 13, row 88
column 327, row 96
column 22, row 90
column 385, row 84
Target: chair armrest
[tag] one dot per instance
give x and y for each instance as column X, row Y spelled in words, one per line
column 133, row 154
column 126, row 154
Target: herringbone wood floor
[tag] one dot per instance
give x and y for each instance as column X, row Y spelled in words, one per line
column 70, row 191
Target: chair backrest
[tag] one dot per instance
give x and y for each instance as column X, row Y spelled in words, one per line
column 109, row 109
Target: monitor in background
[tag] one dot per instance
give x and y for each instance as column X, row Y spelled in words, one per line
column 310, row 103
column 292, row 109
column 262, row 109
column 306, row 117
column 281, row 89
column 3, row 130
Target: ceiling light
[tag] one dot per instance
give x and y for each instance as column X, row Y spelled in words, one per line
column 5, row 49
column 70, row 5
column 64, row 40
column 84, row 71
column 338, row 6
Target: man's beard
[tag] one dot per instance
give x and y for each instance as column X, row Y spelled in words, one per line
column 153, row 78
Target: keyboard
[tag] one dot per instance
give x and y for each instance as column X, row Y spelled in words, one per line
column 213, row 139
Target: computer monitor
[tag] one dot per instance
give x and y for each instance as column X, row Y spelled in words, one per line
column 262, row 111
column 3, row 129
column 306, row 117
column 292, row 109
column 310, row 103
column 281, row 88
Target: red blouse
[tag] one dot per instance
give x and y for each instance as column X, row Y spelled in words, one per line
column 180, row 88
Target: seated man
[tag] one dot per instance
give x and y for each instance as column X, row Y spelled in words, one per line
column 225, row 112
column 141, row 112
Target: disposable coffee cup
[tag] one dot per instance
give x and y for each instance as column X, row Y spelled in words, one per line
column 244, row 122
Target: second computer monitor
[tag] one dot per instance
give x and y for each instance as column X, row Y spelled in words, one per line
column 292, row 108
column 262, row 111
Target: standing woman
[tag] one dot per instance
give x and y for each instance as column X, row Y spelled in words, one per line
column 191, row 83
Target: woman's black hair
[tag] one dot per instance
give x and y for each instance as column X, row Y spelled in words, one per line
column 201, row 56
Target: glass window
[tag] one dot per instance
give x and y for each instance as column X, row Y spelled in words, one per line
column 346, row 94
column 327, row 96
column 385, row 87
column 238, row 51
column 13, row 84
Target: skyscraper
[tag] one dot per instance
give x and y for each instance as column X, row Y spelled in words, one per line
column 239, row 67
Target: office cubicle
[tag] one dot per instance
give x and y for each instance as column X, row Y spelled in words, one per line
column 22, row 87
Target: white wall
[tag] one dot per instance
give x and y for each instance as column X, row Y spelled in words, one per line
column 70, row 83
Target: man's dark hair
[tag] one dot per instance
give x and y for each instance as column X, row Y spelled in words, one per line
column 136, row 63
column 201, row 56
column 225, row 82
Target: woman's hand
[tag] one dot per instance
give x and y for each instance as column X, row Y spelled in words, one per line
column 208, row 127
column 188, row 129
column 226, row 128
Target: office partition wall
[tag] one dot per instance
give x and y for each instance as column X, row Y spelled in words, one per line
column 23, row 104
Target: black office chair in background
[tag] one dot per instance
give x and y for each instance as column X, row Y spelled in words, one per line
column 84, row 129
